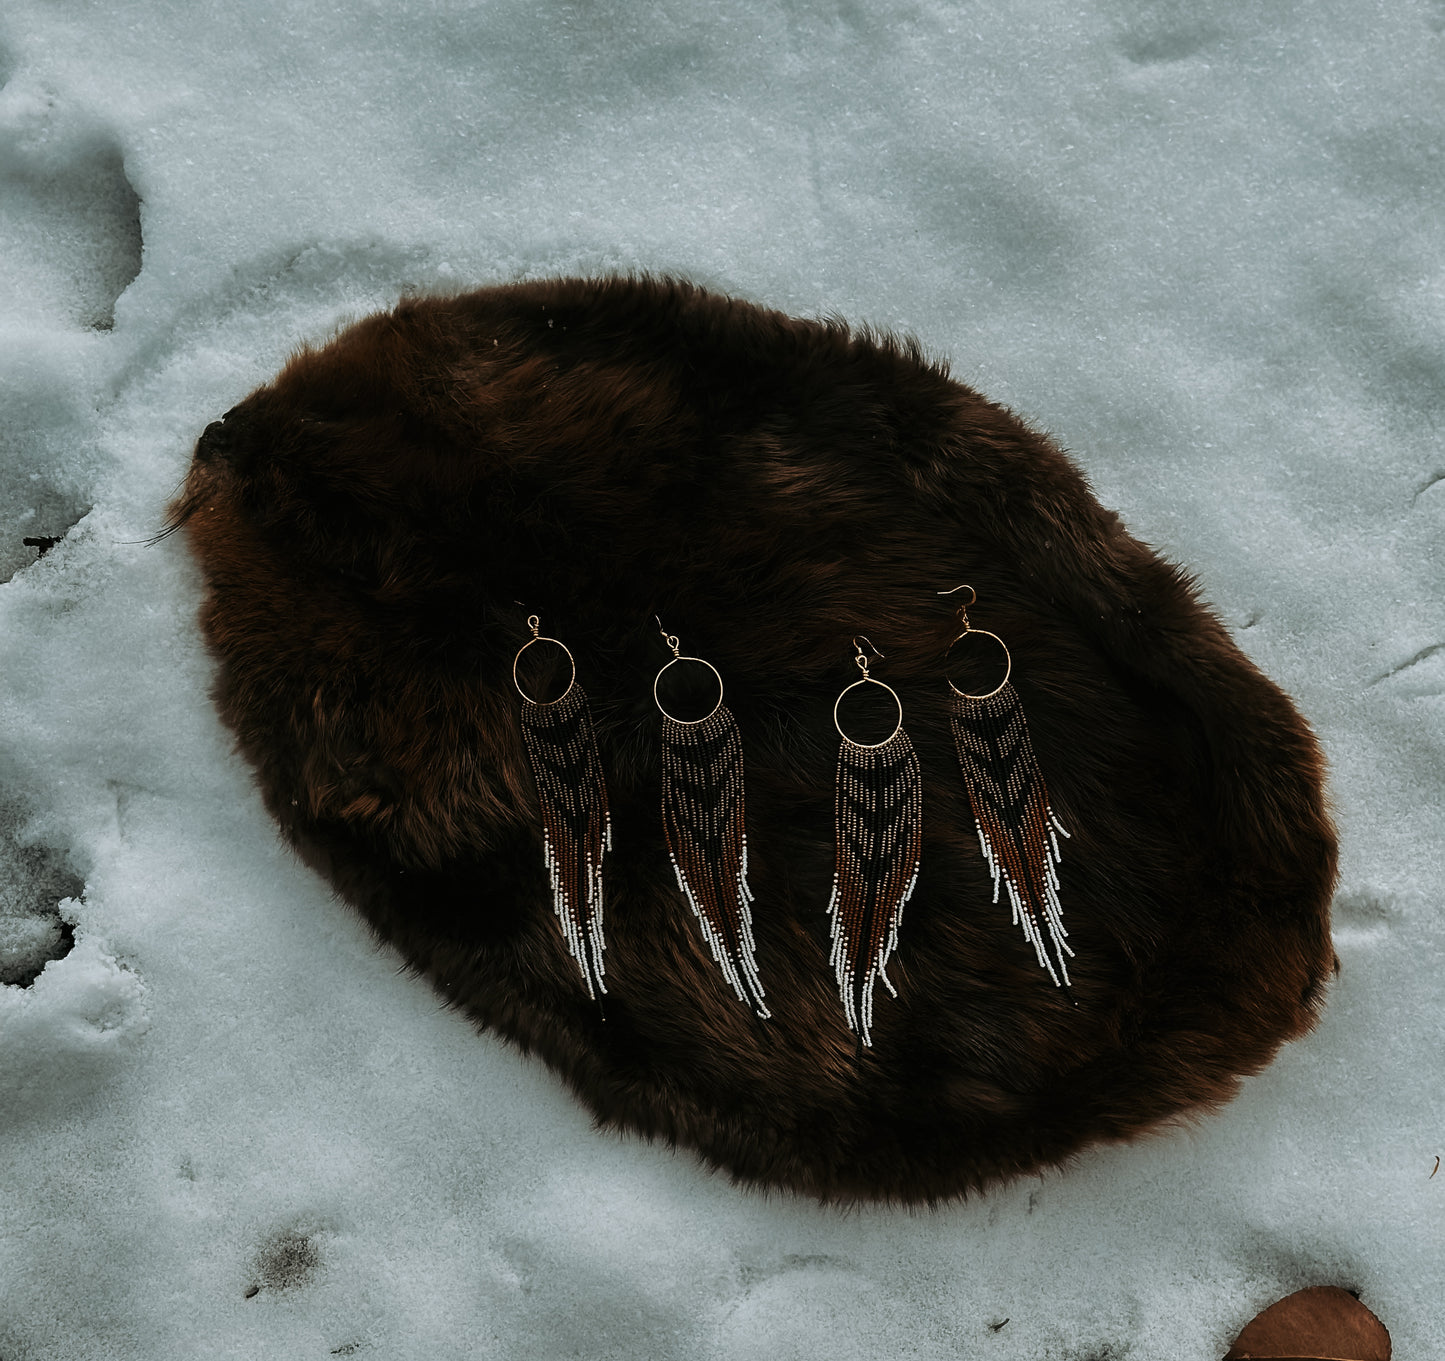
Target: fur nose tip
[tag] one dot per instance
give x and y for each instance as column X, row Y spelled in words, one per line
column 214, row 442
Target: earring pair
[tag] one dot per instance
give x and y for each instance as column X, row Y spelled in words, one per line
column 879, row 819
column 702, row 815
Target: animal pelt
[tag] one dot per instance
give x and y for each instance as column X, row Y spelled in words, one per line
column 376, row 524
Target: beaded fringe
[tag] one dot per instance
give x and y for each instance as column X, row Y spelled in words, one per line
column 703, row 814
column 879, row 829
column 1016, row 826
column 576, row 827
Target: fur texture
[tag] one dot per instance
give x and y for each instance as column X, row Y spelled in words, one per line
column 605, row 451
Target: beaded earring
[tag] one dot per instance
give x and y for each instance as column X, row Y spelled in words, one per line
column 576, row 828
column 1017, row 828
column 878, row 825
column 703, row 817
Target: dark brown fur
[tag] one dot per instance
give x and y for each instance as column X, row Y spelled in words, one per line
column 609, row 450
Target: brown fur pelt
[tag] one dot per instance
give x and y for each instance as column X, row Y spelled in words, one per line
column 609, row 450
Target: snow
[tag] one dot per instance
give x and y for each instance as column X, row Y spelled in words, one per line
column 1200, row 243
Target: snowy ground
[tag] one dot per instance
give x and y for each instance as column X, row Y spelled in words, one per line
column 1200, row 242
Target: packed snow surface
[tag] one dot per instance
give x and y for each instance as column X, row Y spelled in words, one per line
column 1200, row 243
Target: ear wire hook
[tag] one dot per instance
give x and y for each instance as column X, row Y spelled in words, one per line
column 963, row 608
column 669, row 638
column 534, row 622
column 862, row 657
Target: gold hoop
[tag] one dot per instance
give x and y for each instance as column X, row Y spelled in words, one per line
column 571, row 661
column 868, row 746
column 979, row 633
column 688, row 722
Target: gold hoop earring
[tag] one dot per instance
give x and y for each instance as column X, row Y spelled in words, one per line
column 878, row 830
column 707, row 840
column 576, row 827
column 1017, row 828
